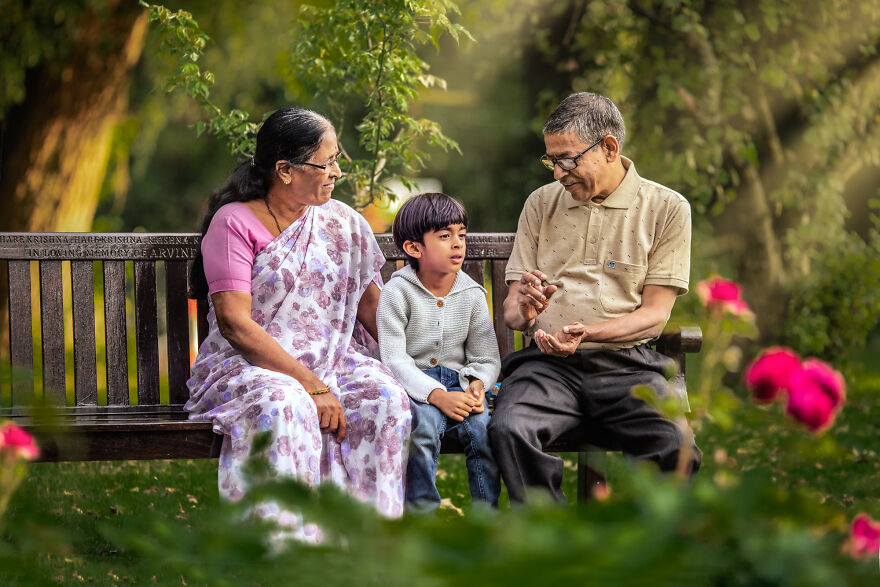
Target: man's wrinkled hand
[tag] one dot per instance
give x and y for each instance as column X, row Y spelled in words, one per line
column 533, row 294
column 563, row 343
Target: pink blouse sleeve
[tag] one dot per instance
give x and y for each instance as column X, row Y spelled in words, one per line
column 233, row 239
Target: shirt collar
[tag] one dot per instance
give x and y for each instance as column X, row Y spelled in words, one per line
column 623, row 194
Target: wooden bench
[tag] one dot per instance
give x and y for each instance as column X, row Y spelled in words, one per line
column 119, row 395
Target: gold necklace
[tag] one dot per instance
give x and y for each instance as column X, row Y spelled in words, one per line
column 272, row 214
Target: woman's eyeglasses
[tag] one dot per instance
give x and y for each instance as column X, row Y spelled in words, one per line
column 331, row 163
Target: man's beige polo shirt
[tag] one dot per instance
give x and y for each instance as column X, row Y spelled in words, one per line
column 603, row 255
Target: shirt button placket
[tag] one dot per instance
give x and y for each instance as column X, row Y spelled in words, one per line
column 593, row 230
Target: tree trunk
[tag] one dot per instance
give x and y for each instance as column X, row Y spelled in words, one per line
column 56, row 144
column 747, row 233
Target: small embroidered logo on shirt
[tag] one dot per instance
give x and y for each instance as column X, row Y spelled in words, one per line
column 611, row 264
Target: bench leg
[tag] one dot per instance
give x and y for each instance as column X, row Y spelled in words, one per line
column 591, row 465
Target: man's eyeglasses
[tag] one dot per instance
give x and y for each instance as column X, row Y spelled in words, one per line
column 331, row 163
column 566, row 163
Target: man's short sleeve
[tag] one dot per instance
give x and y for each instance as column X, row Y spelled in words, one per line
column 669, row 261
column 524, row 256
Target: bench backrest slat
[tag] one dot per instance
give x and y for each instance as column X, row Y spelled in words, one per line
column 499, row 292
column 115, row 333
column 21, row 339
column 202, row 319
column 387, row 269
column 85, row 376
column 146, row 326
column 52, row 322
column 177, row 326
column 475, row 270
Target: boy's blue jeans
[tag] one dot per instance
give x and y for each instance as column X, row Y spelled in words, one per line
column 429, row 426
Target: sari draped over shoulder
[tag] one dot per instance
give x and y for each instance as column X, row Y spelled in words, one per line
column 305, row 287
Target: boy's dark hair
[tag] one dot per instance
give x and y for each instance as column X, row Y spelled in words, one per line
column 425, row 213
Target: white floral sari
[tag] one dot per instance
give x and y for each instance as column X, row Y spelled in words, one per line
column 306, row 285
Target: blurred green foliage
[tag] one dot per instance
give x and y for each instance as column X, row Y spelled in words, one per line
column 652, row 530
column 34, row 33
column 835, row 307
column 342, row 50
column 363, row 51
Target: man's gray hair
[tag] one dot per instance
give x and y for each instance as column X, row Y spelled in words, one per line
column 590, row 116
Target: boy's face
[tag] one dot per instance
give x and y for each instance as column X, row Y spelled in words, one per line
column 442, row 251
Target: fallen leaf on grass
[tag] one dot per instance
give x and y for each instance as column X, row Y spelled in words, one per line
column 446, row 504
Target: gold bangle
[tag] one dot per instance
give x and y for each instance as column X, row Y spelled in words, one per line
column 319, row 391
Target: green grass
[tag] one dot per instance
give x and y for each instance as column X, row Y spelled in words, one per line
column 69, row 508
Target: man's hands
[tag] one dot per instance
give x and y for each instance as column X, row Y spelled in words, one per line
column 563, row 343
column 532, row 297
column 529, row 297
column 456, row 405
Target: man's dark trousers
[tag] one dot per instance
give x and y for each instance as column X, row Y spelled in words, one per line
column 544, row 397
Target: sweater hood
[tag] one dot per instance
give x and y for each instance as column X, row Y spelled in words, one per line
column 463, row 281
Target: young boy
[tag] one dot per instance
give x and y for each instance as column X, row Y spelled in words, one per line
column 435, row 333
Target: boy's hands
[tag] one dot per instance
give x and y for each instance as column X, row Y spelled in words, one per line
column 478, row 392
column 454, row 404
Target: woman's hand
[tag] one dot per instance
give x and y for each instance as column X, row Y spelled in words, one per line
column 331, row 416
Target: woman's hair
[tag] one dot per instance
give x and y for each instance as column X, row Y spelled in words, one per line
column 289, row 134
column 590, row 116
column 425, row 213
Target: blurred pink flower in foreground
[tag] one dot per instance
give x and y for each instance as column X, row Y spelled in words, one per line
column 815, row 395
column 768, row 375
column 815, row 391
column 16, row 444
column 720, row 295
column 864, row 538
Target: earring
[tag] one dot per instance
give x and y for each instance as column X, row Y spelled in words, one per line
column 286, row 181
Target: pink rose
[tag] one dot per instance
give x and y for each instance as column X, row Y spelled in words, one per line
column 864, row 539
column 828, row 378
column 815, row 395
column 16, row 444
column 770, row 372
column 720, row 295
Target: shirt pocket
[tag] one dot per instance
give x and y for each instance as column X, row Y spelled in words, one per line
column 621, row 286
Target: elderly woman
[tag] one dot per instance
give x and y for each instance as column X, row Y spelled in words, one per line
column 292, row 278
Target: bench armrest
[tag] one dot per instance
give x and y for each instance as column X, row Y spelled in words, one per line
column 680, row 339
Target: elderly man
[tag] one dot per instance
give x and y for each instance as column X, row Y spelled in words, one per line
column 599, row 258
